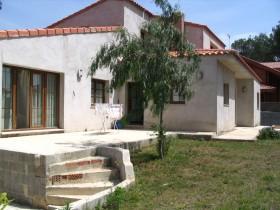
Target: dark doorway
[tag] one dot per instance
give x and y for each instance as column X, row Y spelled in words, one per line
column 135, row 108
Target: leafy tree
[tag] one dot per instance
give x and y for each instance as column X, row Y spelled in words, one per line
column 275, row 36
column 261, row 47
column 148, row 62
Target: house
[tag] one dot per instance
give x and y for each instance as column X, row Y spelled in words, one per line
column 45, row 83
column 269, row 74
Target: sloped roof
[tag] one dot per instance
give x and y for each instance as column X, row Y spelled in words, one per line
column 8, row 34
column 214, row 52
column 259, row 65
column 274, row 65
column 205, row 27
column 94, row 5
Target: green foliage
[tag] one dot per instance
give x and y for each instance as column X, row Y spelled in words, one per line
column 269, row 134
column 261, row 47
column 66, row 207
column 114, row 200
column 4, row 201
column 148, row 62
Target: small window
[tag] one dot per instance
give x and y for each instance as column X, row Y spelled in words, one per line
column 258, row 101
column 176, row 98
column 97, row 91
column 226, row 94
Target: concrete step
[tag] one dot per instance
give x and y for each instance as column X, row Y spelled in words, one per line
column 79, row 164
column 85, row 176
column 54, row 207
column 80, row 189
column 62, row 200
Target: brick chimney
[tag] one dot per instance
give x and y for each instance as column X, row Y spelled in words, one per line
column 181, row 23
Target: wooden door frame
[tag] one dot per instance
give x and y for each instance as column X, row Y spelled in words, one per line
column 44, row 98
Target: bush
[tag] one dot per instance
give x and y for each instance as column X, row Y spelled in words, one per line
column 268, row 134
column 114, row 200
column 4, row 201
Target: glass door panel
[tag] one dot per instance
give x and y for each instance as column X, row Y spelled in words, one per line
column 23, row 99
column 37, row 100
column 7, row 98
column 51, row 106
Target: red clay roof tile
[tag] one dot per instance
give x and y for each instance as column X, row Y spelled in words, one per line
column 6, row 34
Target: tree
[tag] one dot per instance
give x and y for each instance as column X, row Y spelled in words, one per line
column 148, row 62
column 0, row 4
column 263, row 48
column 275, row 36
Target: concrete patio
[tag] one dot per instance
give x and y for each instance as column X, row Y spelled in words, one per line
column 70, row 142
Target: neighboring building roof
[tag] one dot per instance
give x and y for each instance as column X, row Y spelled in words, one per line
column 256, row 64
column 7, row 34
column 213, row 52
column 267, row 88
column 95, row 4
column 205, row 27
column 274, row 65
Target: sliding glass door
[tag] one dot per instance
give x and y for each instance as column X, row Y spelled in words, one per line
column 7, row 99
column 37, row 100
column 52, row 102
column 22, row 98
column 29, row 99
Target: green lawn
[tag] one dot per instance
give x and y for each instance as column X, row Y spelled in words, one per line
column 207, row 175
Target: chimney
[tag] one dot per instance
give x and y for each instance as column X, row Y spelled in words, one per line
column 181, row 23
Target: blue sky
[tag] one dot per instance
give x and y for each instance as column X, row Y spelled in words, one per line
column 239, row 18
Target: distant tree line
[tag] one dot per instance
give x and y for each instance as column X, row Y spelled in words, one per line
column 263, row 47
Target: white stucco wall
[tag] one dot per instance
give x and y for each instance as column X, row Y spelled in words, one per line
column 225, row 113
column 64, row 55
column 198, row 114
column 207, row 39
column 134, row 18
column 247, row 112
column 257, row 111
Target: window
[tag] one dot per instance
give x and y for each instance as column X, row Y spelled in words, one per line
column 97, row 91
column 226, row 94
column 258, row 101
column 176, row 98
column 29, row 99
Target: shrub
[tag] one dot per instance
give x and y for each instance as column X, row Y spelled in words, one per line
column 268, row 134
column 4, row 201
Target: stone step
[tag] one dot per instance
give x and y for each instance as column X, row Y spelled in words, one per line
column 80, row 189
column 62, row 200
column 85, row 176
column 78, row 165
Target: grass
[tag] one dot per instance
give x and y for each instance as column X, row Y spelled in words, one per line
column 207, row 175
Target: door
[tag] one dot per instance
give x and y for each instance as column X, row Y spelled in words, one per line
column 29, row 99
column 37, row 100
column 135, row 109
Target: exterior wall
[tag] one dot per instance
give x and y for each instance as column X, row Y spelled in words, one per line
column 208, row 40
column 29, row 172
column 63, row 55
column 194, row 35
column 257, row 110
column 247, row 112
column 133, row 18
column 198, row 114
column 225, row 113
column 107, row 13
